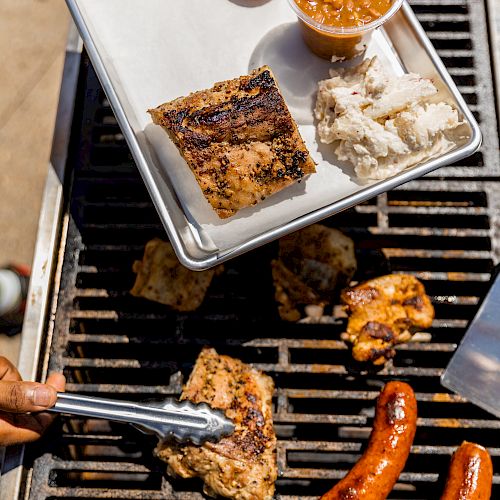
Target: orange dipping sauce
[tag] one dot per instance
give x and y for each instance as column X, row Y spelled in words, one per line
column 344, row 13
column 336, row 28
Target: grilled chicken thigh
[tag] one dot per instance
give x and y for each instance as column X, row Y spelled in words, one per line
column 239, row 140
column 383, row 312
column 162, row 278
column 241, row 466
column 314, row 264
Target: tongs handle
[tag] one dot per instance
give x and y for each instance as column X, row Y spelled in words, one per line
column 183, row 420
column 94, row 407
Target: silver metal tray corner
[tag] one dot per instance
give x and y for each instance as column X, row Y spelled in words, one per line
column 410, row 46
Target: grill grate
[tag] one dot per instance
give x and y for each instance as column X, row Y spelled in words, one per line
column 444, row 229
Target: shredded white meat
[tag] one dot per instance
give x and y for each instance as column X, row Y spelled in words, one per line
column 382, row 123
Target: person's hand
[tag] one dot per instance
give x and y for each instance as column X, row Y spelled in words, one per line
column 17, row 398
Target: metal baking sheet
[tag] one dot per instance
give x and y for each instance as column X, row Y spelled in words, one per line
column 147, row 53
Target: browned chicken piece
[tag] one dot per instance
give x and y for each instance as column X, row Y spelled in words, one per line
column 241, row 466
column 162, row 278
column 314, row 264
column 383, row 312
column 239, row 140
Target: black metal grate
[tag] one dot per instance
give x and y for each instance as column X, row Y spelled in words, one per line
column 442, row 229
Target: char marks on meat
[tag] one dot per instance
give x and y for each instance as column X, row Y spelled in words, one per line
column 314, row 264
column 239, row 140
column 241, row 466
column 383, row 312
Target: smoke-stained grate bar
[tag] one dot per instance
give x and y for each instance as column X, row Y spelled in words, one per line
column 444, row 229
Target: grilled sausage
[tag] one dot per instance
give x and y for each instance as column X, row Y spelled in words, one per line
column 374, row 475
column 470, row 475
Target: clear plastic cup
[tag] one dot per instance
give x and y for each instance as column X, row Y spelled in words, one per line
column 339, row 43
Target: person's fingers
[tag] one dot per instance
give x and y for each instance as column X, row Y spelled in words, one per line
column 57, row 381
column 16, row 428
column 17, row 397
column 8, row 371
column 14, row 436
column 22, row 397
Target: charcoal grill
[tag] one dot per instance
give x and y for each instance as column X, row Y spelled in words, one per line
column 444, row 229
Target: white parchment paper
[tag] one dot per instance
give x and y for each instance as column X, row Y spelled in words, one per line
column 157, row 50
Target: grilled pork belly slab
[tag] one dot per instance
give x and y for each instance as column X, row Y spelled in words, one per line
column 383, row 312
column 241, row 466
column 162, row 278
column 239, row 140
column 314, row 264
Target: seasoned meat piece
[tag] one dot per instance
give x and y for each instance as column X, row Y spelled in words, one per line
column 243, row 465
column 383, row 312
column 162, row 278
column 239, row 140
column 314, row 264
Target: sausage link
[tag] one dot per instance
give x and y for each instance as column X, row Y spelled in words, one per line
column 470, row 475
column 378, row 469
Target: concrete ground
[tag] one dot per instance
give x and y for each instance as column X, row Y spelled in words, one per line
column 32, row 42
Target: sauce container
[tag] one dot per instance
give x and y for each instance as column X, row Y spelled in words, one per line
column 338, row 43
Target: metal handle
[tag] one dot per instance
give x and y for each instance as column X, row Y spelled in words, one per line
column 183, row 420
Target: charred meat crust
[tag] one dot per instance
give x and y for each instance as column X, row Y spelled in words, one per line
column 377, row 330
column 230, row 120
column 239, row 140
column 314, row 264
column 383, row 312
column 241, row 466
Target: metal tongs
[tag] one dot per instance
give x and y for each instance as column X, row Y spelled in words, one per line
column 183, row 420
